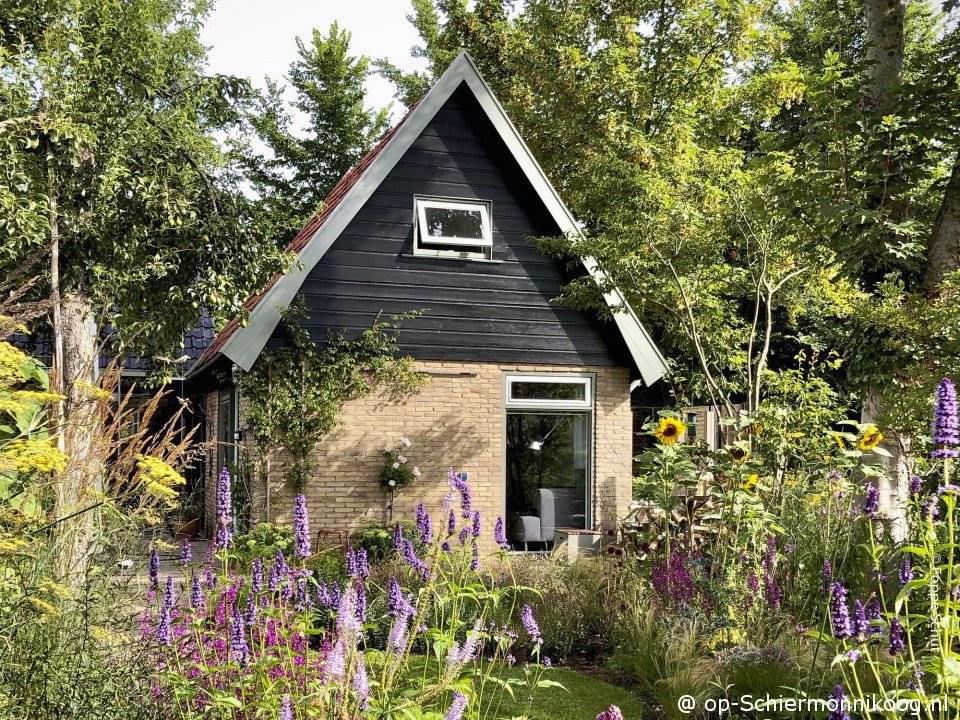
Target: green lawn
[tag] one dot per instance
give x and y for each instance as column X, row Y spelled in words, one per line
column 581, row 698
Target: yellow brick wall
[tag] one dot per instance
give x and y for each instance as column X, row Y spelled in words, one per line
column 456, row 420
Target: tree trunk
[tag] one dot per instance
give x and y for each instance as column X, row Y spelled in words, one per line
column 885, row 28
column 943, row 254
column 79, row 485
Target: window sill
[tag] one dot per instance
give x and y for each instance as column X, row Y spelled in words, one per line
column 454, row 259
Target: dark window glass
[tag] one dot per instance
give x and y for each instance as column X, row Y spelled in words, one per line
column 520, row 390
column 448, row 222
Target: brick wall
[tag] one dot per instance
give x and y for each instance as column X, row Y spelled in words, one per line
column 456, row 420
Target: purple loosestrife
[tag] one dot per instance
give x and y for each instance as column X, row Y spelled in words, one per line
column 224, row 533
column 898, row 637
column 945, row 429
column 499, row 533
column 186, row 552
column 871, row 501
column 457, row 707
column 286, row 708
column 611, row 713
column 838, row 704
column 153, row 569
column 840, row 612
column 860, row 625
column 256, row 576
column 530, row 625
column 301, row 527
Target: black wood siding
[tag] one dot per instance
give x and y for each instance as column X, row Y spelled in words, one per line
column 473, row 311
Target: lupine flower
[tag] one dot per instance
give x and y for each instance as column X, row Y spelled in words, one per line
column 153, row 569
column 164, row 631
column 871, row 501
column 224, row 510
column 286, row 708
column 256, row 576
column 530, row 625
column 838, row 704
column 945, row 429
column 827, row 577
column 196, row 593
column 499, row 534
column 915, row 485
column 898, row 637
column 457, row 707
column 169, row 596
column 611, row 713
column 186, row 552
column 840, row 612
column 859, row 619
column 301, row 526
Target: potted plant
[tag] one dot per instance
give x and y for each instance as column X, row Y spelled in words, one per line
column 187, row 523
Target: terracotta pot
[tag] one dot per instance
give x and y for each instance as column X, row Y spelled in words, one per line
column 187, row 529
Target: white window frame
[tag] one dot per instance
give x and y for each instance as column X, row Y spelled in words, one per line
column 473, row 248
column 535, row 404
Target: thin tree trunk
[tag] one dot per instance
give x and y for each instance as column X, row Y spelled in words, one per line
column 943, row 254
column 57, row 377
column 885, row 29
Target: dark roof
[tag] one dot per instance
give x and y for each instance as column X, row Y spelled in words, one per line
column 334, row 197
column 39, row 344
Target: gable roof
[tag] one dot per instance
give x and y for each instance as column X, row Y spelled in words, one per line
column 243, row 344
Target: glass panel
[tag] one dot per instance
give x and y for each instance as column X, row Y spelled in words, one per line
column 449, row 222
column 547, row 466
column 527, row 390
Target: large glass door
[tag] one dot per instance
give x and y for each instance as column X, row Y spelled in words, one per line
column 548, row 457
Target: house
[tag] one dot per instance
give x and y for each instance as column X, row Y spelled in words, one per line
column 531, row 399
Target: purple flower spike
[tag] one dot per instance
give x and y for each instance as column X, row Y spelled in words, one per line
column 169, row 596
column 945, row 429
column 906, row 572
column 363, row 565
column 499, row 534
column 361, row 683
column 224, row 533
column 451, row 523
column 186, row 552
column 611, row 713
column 840, row 612
column 476, row 523
column 915, row 485
column 301, row 526
column 351, row 561
column 256, row 575
column 827, row 577
column 457, row 707
column 530, row 625
column 239, row 650
column 153, row 569
column 475, row 556
column 898, row 637
column 398, row 538
column 286, row 708
column 871, row 501
column 196, row 593
column 838, row 704
column 164, row 631
column 466, row 496
column 859, row 619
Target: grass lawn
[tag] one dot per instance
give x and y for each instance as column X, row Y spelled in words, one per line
column 581, row 698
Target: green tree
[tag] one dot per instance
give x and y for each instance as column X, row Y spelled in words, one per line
column 110, row 163
column 302, row 165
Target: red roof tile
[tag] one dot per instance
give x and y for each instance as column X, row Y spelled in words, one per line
column 333, row 199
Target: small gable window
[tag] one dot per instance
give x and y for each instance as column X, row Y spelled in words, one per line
column 449, row 227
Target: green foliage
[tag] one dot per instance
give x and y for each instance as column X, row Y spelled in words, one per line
column 295, row 393
column 377, row 538
column 304, row 164
column 263, row 541
column 110, row 123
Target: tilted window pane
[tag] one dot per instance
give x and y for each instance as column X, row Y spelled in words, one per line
column 522, row 390
column 448, row 222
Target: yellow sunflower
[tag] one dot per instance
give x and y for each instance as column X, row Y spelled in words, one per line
column 739, row 454
column 839, row 441
column 669, row 430
column 871, row 438
column 750, row 481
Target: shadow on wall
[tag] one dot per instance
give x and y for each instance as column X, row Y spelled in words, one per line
column 345, row 490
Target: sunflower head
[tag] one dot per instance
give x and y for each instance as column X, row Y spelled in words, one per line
column 870, row 438
column 669, row 430
column 739, row 454
column 750, row 481
column 839, row 440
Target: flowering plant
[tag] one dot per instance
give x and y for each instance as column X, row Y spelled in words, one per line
column 279, row 642
column 397, row 472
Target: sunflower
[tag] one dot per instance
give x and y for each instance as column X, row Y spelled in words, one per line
column 750, row 481
column 669, row 430
column 871, row 438
column 739, row 454
column 842, row 445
